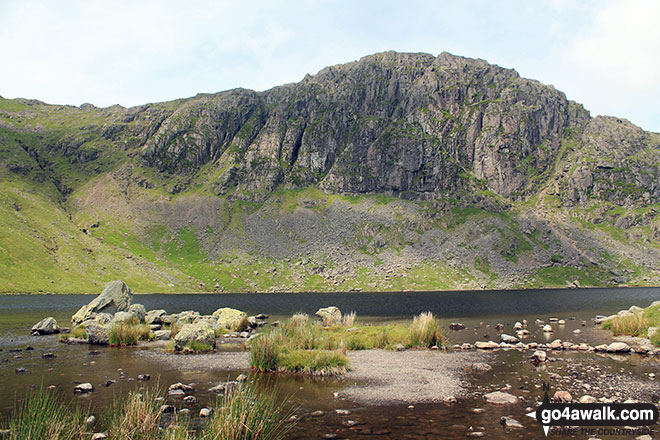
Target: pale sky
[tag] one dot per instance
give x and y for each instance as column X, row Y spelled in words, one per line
column 604, row 54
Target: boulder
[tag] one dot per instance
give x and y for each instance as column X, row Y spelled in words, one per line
column 562, row 397
column 97, row 334
column 517, row 326
column 547, row 328
column 163, row 335
column 46, row 326
column 123, row 317
column 486, row 345
column 139, row 311
column 154, row 316
column 329, row 315
column 116, row 297
column 227, row 317
column 83, row 388
column 104, row 318
column 500, row 398
column 635, row 309
column 186, row 317
column 618, row 347
column 539, row 356
column 200, row 332
column 508, row 339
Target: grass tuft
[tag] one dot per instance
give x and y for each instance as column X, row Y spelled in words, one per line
column 43, row 416
column 129, row 334
column 426, row 331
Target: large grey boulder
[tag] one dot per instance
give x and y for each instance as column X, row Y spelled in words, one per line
column 123, row 317
column 116, row 297
column 97, row 334
column 329, row 315
column 163, row 335
column 154, row 316
column 227, row 318
column 46, row 326
column 200, row 332
column 139, row 311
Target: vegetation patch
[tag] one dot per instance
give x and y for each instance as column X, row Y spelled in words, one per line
column 636, row 324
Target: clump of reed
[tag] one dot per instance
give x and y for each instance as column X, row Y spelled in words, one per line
column 427, row 332
column 44, row 416
column 245, row 414
column 123, row 334
column 634, row 325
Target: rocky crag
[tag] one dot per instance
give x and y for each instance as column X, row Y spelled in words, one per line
column 397, row 171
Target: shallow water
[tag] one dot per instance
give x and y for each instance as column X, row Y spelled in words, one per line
column 479, row 311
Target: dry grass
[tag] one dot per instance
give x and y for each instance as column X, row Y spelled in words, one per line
column 348, row 320
column 246, row 415
column 426, row 331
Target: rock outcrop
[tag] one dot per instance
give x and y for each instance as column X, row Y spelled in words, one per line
column 116, row 297
column 46, row 326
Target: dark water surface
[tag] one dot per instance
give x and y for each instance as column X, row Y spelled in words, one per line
column 479, row 310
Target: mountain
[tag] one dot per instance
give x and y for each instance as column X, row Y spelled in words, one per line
column 397, row 171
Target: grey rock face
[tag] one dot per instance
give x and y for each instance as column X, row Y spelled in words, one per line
column 116, row 297
column 46, row 326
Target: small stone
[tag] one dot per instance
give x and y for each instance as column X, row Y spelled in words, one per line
column 48, row 356
column 588, row 399
column 539, row 356
column 317, row 413
column 511, row 423
column 241, row 378
column 99, row 436
column 190, row 400
column 547, row 328
column 83, row 388
column 343, row 412
column 166, row 409
column 500, row 398
column 176, row 393
column 143, row 377
column 21, row 370
column 90, row 420
column 618, row 347
column 562, row 397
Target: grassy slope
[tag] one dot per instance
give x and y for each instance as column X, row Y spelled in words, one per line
column 42, row 247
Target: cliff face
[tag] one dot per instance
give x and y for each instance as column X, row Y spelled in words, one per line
column 408, row 124
column 469, row 151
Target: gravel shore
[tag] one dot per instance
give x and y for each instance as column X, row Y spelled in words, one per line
column 221, row 361
column 411, row 376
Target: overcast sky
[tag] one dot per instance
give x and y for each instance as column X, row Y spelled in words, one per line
column 604, row 54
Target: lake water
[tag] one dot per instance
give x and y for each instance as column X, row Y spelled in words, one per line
column 479, row 310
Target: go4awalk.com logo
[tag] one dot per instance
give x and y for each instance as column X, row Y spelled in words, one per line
column 595, row 418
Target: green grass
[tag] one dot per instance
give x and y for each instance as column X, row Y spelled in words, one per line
column 43, row 416
column 301, row 345
column 637, row 324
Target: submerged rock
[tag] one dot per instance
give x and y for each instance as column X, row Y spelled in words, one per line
column 500, row 398
column 46, row 326
column 116, row 297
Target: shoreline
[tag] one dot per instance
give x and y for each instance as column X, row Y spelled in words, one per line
column 521, row 290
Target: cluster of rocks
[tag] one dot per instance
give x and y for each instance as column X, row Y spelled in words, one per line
column 115, row 306
column 558, row 344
